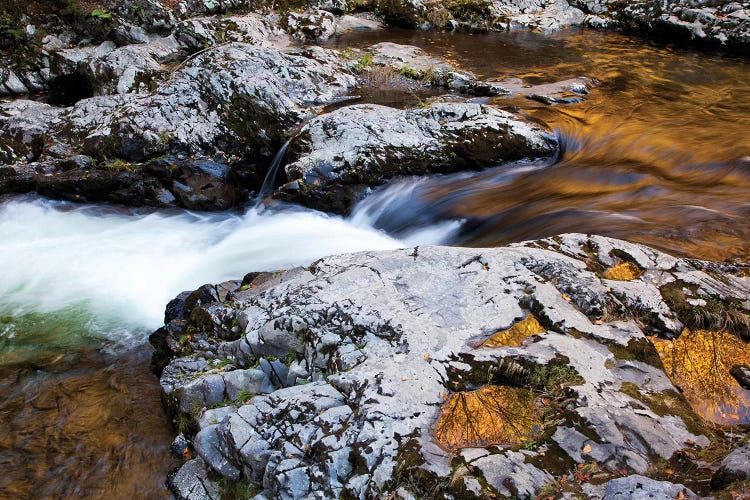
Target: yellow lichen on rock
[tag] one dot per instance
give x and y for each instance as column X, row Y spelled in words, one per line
column 492, row 415
column 698, row 362
column 624, row 271
column 515, row 335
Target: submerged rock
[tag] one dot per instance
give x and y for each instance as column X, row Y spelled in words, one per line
column 383, row 346
column 363, row 145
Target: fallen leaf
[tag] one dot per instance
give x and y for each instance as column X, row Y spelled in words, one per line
column 587, row 448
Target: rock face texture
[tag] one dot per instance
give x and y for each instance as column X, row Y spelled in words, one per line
column 350, row 367
column 230, row 107
column 338, row 153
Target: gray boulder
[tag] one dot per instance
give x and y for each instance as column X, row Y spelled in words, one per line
column 387, row 336
column 735, row 467
column 364, row 145
column 335, row 6
column 200, row 140
column 311, row 25
column 637, row 487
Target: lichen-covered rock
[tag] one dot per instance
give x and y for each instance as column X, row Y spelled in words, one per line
column 198, row 33
column 379, row 341
column 722, row 24
column 364, row 145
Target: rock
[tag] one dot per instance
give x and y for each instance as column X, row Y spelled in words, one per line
column 197, row 33
column 735, row 467
column 209, row 448
column 334, row 6
column 402, row 13
column 249, row 381
column 637, row 487
column 228, row 111
column 191, row 482
column 345, row 24
column 742, row 374
column 412, row 58
column 364, row 145
column 387, row 337
column 180, row 446
column 215, row 416
column 311, row 25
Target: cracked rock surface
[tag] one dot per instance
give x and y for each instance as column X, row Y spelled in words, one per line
column 362, row 351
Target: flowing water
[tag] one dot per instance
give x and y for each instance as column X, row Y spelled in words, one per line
column 657, row 153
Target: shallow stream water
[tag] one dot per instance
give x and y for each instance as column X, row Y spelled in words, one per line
column 657, row 153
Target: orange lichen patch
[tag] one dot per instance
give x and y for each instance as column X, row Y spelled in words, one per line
column 515, row 335
column 492, row 415
column 698, row 361
column 624, row 271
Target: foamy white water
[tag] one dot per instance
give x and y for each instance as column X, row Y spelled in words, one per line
column 125, row 268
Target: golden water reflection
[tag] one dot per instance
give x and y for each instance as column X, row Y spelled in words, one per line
column 492, row 415
column 516, row 334
column 658, row 153
column 698, row 362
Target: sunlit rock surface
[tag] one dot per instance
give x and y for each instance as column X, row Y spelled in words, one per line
column 382, row 382
column 341, row 152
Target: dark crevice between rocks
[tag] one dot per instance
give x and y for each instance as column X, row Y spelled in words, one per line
column 66, row 90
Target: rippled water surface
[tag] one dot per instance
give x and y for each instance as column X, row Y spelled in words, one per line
column 657, row 153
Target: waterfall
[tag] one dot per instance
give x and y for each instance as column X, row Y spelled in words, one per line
column 266, row 189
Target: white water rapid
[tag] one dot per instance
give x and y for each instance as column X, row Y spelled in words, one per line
column 124, row 267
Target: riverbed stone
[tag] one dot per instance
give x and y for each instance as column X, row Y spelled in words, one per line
column 637, row 487
column 388, row 336
column 203, row 138
column 735, row 467
column 364, row 145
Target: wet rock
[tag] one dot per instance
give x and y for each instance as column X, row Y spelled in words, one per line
column 228, row 111
column 641, row 488
column 368, row 144
column 386, row 337
column 735, row 467
column 741, row 373
column 311, row 25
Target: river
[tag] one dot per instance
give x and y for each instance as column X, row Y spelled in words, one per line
column 657, row 153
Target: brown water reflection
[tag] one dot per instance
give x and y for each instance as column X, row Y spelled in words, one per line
column 658, row 153
column 83, row 426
